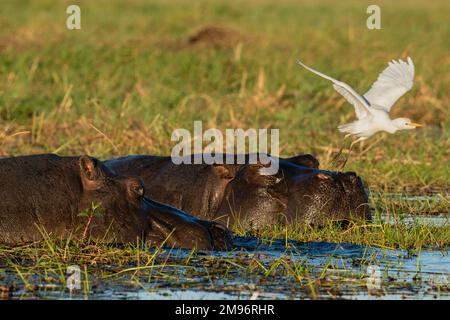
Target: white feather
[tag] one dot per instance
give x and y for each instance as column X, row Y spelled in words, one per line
column 359, row 103
column 372, row 109
column 392, row 83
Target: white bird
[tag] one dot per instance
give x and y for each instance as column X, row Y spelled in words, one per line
column 372, row 109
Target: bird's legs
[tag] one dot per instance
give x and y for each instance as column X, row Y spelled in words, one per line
column 333, row 161
column 350, row 150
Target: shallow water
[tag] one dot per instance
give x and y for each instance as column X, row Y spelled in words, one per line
column 347, row 269
column 275, row 269
column 342, row 269
column 429, row 220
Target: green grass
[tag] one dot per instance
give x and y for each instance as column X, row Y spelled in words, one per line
column 123, row 82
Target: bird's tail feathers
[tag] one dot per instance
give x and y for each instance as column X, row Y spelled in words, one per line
column 351, row 128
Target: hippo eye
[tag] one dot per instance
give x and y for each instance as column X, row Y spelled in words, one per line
column 136, row 190
column 139, row 191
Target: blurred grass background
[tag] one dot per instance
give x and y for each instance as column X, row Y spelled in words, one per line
column 139, row 69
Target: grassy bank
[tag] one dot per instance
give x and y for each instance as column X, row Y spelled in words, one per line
column 138, row 70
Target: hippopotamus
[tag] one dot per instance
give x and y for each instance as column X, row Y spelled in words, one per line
column 243, row 194
column 80, row 197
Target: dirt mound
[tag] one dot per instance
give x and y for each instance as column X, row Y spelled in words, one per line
column 215, row 36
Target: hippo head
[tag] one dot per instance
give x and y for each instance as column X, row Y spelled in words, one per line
column 299, row 192
column 133, row 215
column 316, row 196
column 248, row 197
column 118, row 201
column 117, row 193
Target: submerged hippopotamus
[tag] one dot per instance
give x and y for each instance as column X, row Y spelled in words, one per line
column 80, row 197
column 243, row 194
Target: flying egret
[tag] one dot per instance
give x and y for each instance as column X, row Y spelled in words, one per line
column 372, row 109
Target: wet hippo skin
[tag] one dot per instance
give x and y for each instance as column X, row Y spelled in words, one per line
column 48, row 192
column 242, row 193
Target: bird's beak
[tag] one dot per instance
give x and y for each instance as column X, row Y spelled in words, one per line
column 413, row 124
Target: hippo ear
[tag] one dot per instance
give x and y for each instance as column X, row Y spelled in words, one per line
column 89, row 168
column 223, row 171
column 258, row 174
column 135, row 188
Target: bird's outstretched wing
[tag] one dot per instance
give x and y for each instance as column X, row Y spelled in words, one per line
column 391, row 84
column 362, row 106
